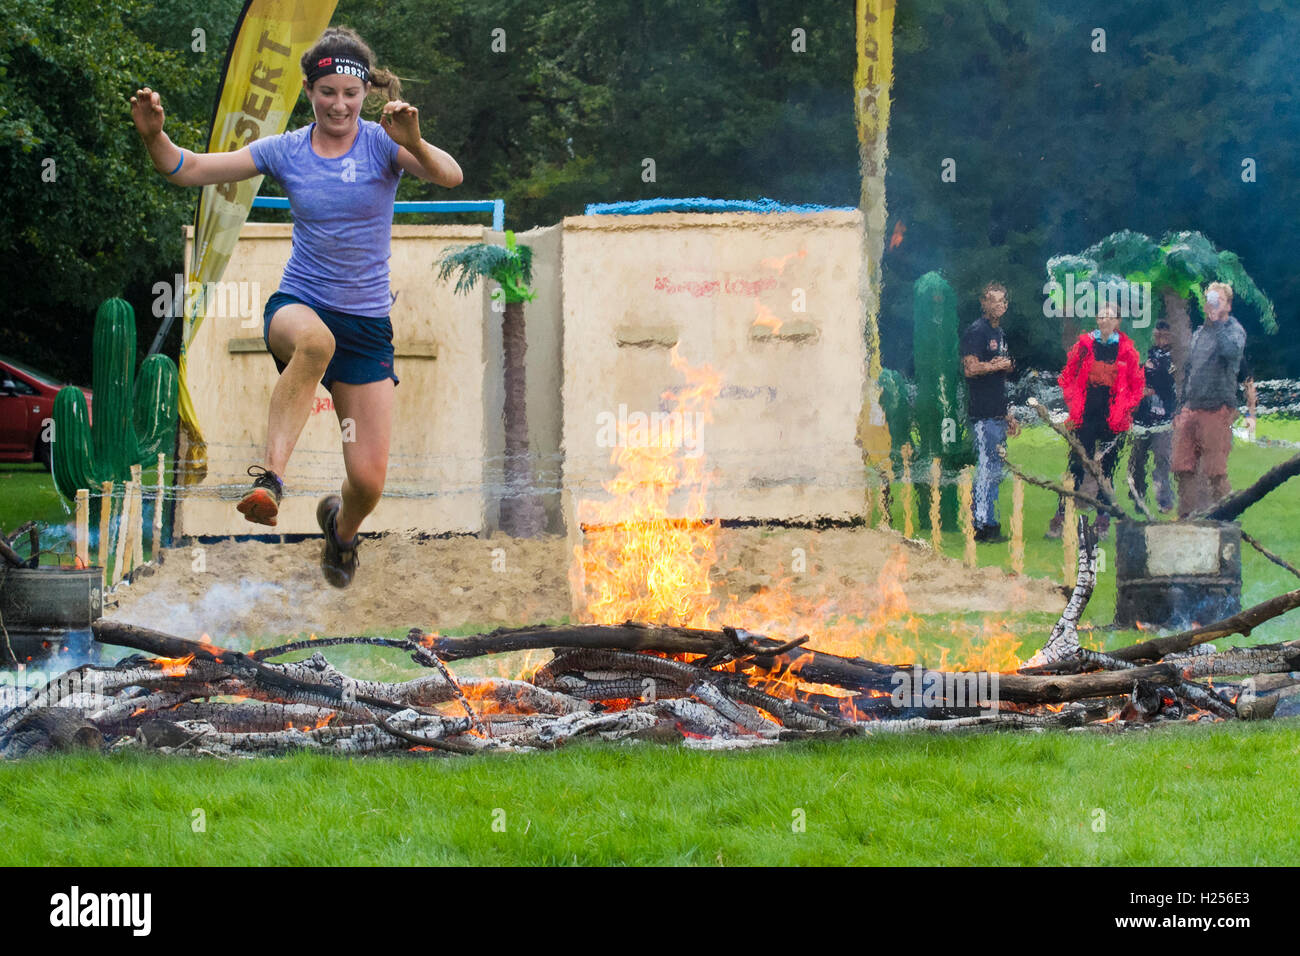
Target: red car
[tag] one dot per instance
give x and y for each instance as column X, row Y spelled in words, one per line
column 26, row 401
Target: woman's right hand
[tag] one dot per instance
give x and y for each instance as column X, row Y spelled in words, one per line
column 147, row 112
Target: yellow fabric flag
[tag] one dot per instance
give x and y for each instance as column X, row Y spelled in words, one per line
column 871, row 81
column 259, row 86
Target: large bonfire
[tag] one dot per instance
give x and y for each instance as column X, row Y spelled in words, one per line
column 656, row 654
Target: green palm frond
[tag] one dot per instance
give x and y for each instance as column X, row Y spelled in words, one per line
column 1125, row 252
column 1231, row 271
column 1182, row 262
column 510, row 266
column 1191, row 261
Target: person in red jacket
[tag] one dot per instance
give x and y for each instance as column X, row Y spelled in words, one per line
column 1102, row 382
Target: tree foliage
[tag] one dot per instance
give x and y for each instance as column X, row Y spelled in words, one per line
column 1056, row 144
column 86, row 216
column 1059, row 144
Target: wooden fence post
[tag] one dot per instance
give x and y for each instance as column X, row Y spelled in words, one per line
column 965, row 482
column 1017, row 525
column 936, row 512
column 83, row 527
column 909, row 494
column 124, row 524
column 158, row 495
column 105, row 520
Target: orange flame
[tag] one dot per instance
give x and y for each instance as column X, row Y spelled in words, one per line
column 646, row 557
column 896, row 239
column 174, row 666
column 639, row 561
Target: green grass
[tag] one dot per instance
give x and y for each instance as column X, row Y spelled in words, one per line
column 27, row 493
column 1179, row 795
column 1040, row 452
column 1279, row 428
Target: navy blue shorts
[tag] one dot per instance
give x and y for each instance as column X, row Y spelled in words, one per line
column 363, row 345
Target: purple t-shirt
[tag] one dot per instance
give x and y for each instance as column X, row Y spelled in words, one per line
column 342, row 217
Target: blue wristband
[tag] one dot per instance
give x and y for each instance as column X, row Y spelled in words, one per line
column 178, row 165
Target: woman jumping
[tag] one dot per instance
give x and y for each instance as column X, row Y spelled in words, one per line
column 329, row 320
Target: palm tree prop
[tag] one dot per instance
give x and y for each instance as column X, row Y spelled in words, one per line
column 1178, row 267
column 511, row 267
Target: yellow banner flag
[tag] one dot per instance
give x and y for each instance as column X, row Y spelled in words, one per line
column 260, row 84
column 871, row 81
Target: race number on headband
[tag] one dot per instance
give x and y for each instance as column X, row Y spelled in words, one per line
column 335, row 65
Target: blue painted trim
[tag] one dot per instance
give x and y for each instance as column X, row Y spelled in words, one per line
column 638, row 207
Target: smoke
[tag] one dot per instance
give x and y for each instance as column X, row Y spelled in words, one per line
column 19, row 681
column 227, row 612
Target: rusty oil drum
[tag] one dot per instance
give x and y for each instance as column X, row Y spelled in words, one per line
column 1176, row 574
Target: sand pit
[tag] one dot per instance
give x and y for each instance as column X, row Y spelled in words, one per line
column 255, row 589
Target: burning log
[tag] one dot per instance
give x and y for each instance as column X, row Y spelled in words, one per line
column 1068, row 493
column 9, row 555
column 1063, row 643
column 43, row 729
column 1242, row 623
column 719, row 689
column 1092, row 465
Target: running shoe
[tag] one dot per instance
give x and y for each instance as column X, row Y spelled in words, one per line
column 262, row 503
column 338, row 560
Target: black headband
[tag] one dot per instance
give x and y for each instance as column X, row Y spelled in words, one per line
column 332, row 65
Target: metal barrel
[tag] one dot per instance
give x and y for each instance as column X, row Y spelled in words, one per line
column 1176, row 574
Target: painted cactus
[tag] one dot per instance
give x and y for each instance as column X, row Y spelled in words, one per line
column 135, row 418
column 940, row 411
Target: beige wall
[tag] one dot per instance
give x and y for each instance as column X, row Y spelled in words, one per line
column 435, row 477
column 782, row 442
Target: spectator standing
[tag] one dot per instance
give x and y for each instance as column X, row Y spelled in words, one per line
column 1203, row 426
column 1102, row 382
column 1153, row 433
column 985, row 362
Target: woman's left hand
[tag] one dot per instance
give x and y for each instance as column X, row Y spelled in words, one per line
column 401, row 121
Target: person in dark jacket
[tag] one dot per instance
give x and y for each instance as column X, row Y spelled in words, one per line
column 1153, row 431
column 985, row 363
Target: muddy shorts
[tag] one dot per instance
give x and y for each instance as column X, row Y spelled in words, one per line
column 363, row 345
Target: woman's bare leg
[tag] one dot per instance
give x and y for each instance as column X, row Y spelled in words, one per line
column 369, row 408
column 299, row 339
